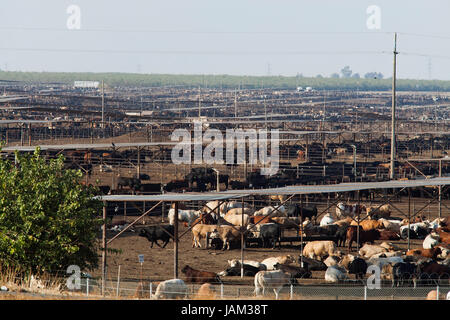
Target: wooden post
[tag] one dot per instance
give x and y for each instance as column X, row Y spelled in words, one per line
column 138, row 162
column 440, row 191
column 118, row 282
column 301, row 234
column 104, row 250
column 29, row 134
column 357, row 230
column 409, row 217
column 175, row 242
column 242, row 239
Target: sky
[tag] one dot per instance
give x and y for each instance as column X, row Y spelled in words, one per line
column 238, row 37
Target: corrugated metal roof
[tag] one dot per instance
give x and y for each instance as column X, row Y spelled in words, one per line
column 235, row 194
column 87, row 146
column 172, row 197
column 344, row 187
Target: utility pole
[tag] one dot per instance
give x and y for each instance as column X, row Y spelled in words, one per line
column 103, row 104
column 354, row 161
column 440, row 191
column 265, row 113
column 394, row 76
column 235, row 105
column 199, row 103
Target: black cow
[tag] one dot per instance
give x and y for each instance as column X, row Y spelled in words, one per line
column 234, row 184
column 402, row 272
column 295, row 210
column 176, row 186
column 205, row 176
column 151, row 187
column 419, row 233
column 155, row 233
column 358, row 267
column 270, row 233
column 249, row 271
column 142, row 176
column 294, row 271
column 312, row 264
column 133, row 183
column 341, row 236
column 328, row 230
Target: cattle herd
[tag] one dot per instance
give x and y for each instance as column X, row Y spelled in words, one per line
column 338, row 245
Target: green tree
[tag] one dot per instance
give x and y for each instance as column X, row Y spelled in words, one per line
column 48, row 219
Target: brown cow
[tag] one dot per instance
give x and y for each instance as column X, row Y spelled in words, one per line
column 433, row 269
column 227, row 234
column 364, row 236
column 181, row 206
column 207, row 291
column 388, row 235
column 201, row 231
column 197, row 276
column 446, row 222
column 444, row 236
column 369, row 224
column 205, row 218
column 260, row 219
column 428, row 253
column 287, row 223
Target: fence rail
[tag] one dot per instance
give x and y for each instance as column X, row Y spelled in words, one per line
column 350, row 291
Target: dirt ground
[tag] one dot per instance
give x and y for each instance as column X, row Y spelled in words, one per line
column 159, row 262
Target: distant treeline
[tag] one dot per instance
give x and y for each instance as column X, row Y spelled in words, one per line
column 228, row 81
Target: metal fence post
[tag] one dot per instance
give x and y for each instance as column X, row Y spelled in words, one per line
column 292, row 292
column 365, row 292
column 118, row 282
column 87, row 286
column 221, row 290
column 151, row 289
column 437, row 292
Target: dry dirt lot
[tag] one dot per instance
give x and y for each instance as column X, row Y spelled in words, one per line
column 159, row 263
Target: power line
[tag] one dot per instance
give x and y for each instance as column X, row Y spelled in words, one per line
column 425, row 35
column 426, row 55
column 199, row 52
column 190, row 31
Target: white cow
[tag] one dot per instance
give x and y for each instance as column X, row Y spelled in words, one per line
column 183, row 216
column 380, row 262
column 431, row 240
column 171, row 289
column 237, row 263
column 327, row 220
column 274, row 280
column 335, row 274
column 270, row 262
column 227, row 206
column 280, row 212
column 348, row 210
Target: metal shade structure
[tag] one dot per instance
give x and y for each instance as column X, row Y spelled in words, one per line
column 172, row 197
column 240, row 194
column 343, row 187
column 234, row 194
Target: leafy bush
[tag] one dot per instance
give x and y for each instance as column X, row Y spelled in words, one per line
column 48, row 219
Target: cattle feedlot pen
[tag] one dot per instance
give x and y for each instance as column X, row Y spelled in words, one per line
column 235, row 194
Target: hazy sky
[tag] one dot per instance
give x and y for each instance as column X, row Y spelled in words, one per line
column 243, row 37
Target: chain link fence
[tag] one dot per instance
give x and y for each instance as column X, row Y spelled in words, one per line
column 146, row 290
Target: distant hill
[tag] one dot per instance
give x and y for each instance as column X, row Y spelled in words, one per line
column 228, row 81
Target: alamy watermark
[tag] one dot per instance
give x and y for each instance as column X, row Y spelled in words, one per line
column 74, row 19
column 235, row 139
column 373, row 21
column 74, row 280
column 374, row 281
